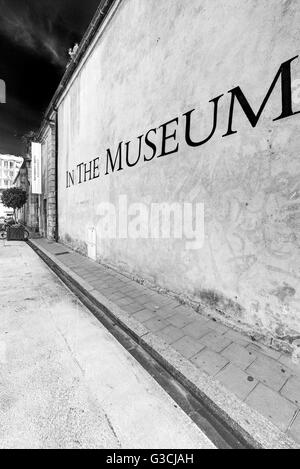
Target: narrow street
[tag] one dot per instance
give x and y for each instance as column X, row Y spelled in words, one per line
column 65, row 382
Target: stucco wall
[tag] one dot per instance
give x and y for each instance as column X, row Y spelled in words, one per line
column 154, row 62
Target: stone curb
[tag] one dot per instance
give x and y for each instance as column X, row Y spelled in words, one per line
column 249, row 425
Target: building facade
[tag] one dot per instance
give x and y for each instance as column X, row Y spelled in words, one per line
column 47, row 199
column 29, row 213
column 174, row 115
column 9, row 168
column 39, row 212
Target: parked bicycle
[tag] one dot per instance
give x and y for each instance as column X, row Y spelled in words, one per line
column 16, row 230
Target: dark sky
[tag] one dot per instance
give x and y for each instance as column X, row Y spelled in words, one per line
column 35, row 36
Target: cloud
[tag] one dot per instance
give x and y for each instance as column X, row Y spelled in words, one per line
column 35, row 36
column 32, row 28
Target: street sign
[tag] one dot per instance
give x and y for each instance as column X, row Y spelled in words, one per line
column 2, row 92
column 36, row 161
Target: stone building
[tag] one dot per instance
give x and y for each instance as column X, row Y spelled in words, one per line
column 47, row 200
column 29, row 214
column 190, row 107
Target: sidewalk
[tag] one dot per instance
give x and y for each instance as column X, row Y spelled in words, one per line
column 256, row 389
column 66, row 382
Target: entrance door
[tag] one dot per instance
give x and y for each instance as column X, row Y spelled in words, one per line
column 92, row 243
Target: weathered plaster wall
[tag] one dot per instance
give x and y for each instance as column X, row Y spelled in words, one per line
column 154, row 62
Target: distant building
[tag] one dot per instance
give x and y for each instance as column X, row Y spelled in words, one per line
column 39, row 212
column 29, row 213
column 9, row 168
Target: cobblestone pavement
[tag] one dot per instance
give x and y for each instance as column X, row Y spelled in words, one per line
column 267, row 380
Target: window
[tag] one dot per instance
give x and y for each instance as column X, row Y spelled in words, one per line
column 5, row 164
column 11, row 165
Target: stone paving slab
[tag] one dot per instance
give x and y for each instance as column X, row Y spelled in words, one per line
column 269, row 372
column 180, row 320
column 272, row 406
column 291, row 390
column 143, row 314
column 264, row 378
column 294, row 430
column 287, row 361
column 214, row 341
column 197, row 329
column 239, row 355
column 261, row 349
column 188, row 346
column 171, row 334
column 237, row 381
column 155, row 324
column 210, row 362
column 237, row 337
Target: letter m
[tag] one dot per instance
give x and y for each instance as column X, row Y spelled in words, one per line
column 284, row 73
column 113, row 164
column 2, row 92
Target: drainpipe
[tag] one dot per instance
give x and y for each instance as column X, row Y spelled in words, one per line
column 56, row 177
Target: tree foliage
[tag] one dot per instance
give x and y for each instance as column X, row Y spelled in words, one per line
column 14, row 198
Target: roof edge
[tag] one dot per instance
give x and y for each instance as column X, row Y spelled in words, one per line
column 101, row 13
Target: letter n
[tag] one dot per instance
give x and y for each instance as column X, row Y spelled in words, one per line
column 70, row 178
